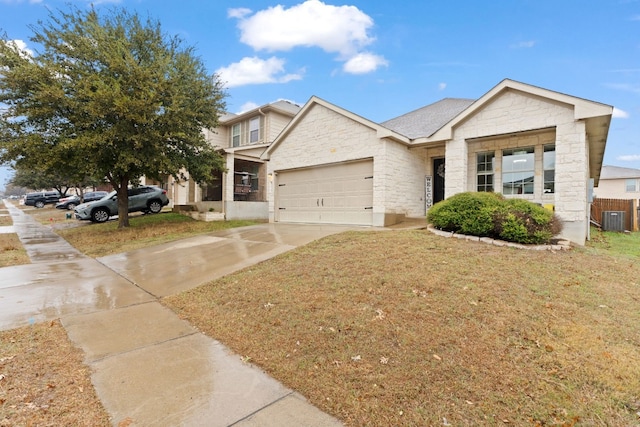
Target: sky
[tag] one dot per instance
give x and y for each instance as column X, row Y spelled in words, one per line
column 382, row 59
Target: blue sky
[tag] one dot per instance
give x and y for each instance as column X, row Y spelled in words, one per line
column 383, row 59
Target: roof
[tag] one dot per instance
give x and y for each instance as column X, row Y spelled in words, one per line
column 281, row 106
column 616, row 172
column 426, row 120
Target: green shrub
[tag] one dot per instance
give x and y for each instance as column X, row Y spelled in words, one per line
column 491, row 215
column 466, row 213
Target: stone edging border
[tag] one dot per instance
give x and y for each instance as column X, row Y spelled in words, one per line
column 563, row 245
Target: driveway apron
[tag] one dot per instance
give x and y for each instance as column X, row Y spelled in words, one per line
column 148, row 366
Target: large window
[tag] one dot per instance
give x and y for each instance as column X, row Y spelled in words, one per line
column 254, row 130
column 484, row 168
column 247, row 182
column 549, row 164
column 518, row 167
column 235, row 135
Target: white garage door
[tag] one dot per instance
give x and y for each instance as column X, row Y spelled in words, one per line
column 335, row 194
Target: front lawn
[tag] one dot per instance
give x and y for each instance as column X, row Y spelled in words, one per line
column 408, row 328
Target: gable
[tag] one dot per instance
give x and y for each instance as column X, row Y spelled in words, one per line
column 512, row 112
column 324, row 131
column 310, row 117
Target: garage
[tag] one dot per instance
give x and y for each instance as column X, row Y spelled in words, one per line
column 340, row 193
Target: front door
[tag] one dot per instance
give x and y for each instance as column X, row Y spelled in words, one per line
column 438, row 180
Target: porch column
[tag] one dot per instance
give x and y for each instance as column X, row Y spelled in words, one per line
column 456, row 166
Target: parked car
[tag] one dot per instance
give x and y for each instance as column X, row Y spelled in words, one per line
column 146, row 198
column 72, row 201
column 69, row 202
column 41, row 198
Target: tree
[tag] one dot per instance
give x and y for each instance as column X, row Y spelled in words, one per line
column 40, row 180
column 111, row 95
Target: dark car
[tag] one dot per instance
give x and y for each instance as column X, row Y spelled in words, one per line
column 42, row 198
column 146, row 198
column 72, row 201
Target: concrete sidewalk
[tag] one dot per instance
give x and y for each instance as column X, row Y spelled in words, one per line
column 147, row 365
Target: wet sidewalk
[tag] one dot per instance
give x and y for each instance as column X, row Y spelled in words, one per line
column 149, row 367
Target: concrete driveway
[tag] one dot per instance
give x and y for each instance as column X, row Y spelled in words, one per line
column 173, row 267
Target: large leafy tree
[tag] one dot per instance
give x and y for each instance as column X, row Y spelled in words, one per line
column 111, row 95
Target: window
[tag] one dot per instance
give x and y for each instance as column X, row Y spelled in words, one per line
column 484, row 168
column 518, row 171
column 235, row 135
column 247, row 185
column 254, row 130
column 212, row 190
column 549, row 165
column 631, row 185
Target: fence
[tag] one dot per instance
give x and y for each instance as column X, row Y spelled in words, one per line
column 629, row 207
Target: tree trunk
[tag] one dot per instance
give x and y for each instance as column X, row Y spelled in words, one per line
column 123, row 203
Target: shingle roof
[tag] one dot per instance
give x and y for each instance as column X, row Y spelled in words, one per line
column 282, row 105
column 425, row 121
column 616, row 172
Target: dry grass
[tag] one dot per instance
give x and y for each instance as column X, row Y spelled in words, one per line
column 408, row 328
column 11, row 250
column 5, row 218
column 43, row 381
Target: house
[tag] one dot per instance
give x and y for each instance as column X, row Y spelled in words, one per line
column 239, row 192
column 618, row 183
column 329, row 165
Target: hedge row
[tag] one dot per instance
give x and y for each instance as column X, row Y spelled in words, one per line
column 492, row 215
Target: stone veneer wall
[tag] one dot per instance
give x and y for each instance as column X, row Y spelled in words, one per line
column 510, row 113
column 325, row 137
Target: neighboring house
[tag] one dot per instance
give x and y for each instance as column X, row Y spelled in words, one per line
column 618, row 183
column 330, row 165
column 240, row 191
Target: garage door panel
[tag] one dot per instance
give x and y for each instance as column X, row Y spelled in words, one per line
column 337, row 194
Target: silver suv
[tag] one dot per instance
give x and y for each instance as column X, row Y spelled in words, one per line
column 145, row 198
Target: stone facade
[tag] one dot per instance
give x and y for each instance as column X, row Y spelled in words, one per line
column 516, row 119
column 509, row 116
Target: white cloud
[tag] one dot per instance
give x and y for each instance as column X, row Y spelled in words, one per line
column 247, row 106
column 624, row 87
column 22, row 47
column 629, row 158
column 363, row 63
column 256, row 71
column 239, row 13
column 442, row 86
column 343, row 30
column 20, row 1
column 524, row 44
column 619, row 114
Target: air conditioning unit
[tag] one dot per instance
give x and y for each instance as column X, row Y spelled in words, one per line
column 613, row 220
